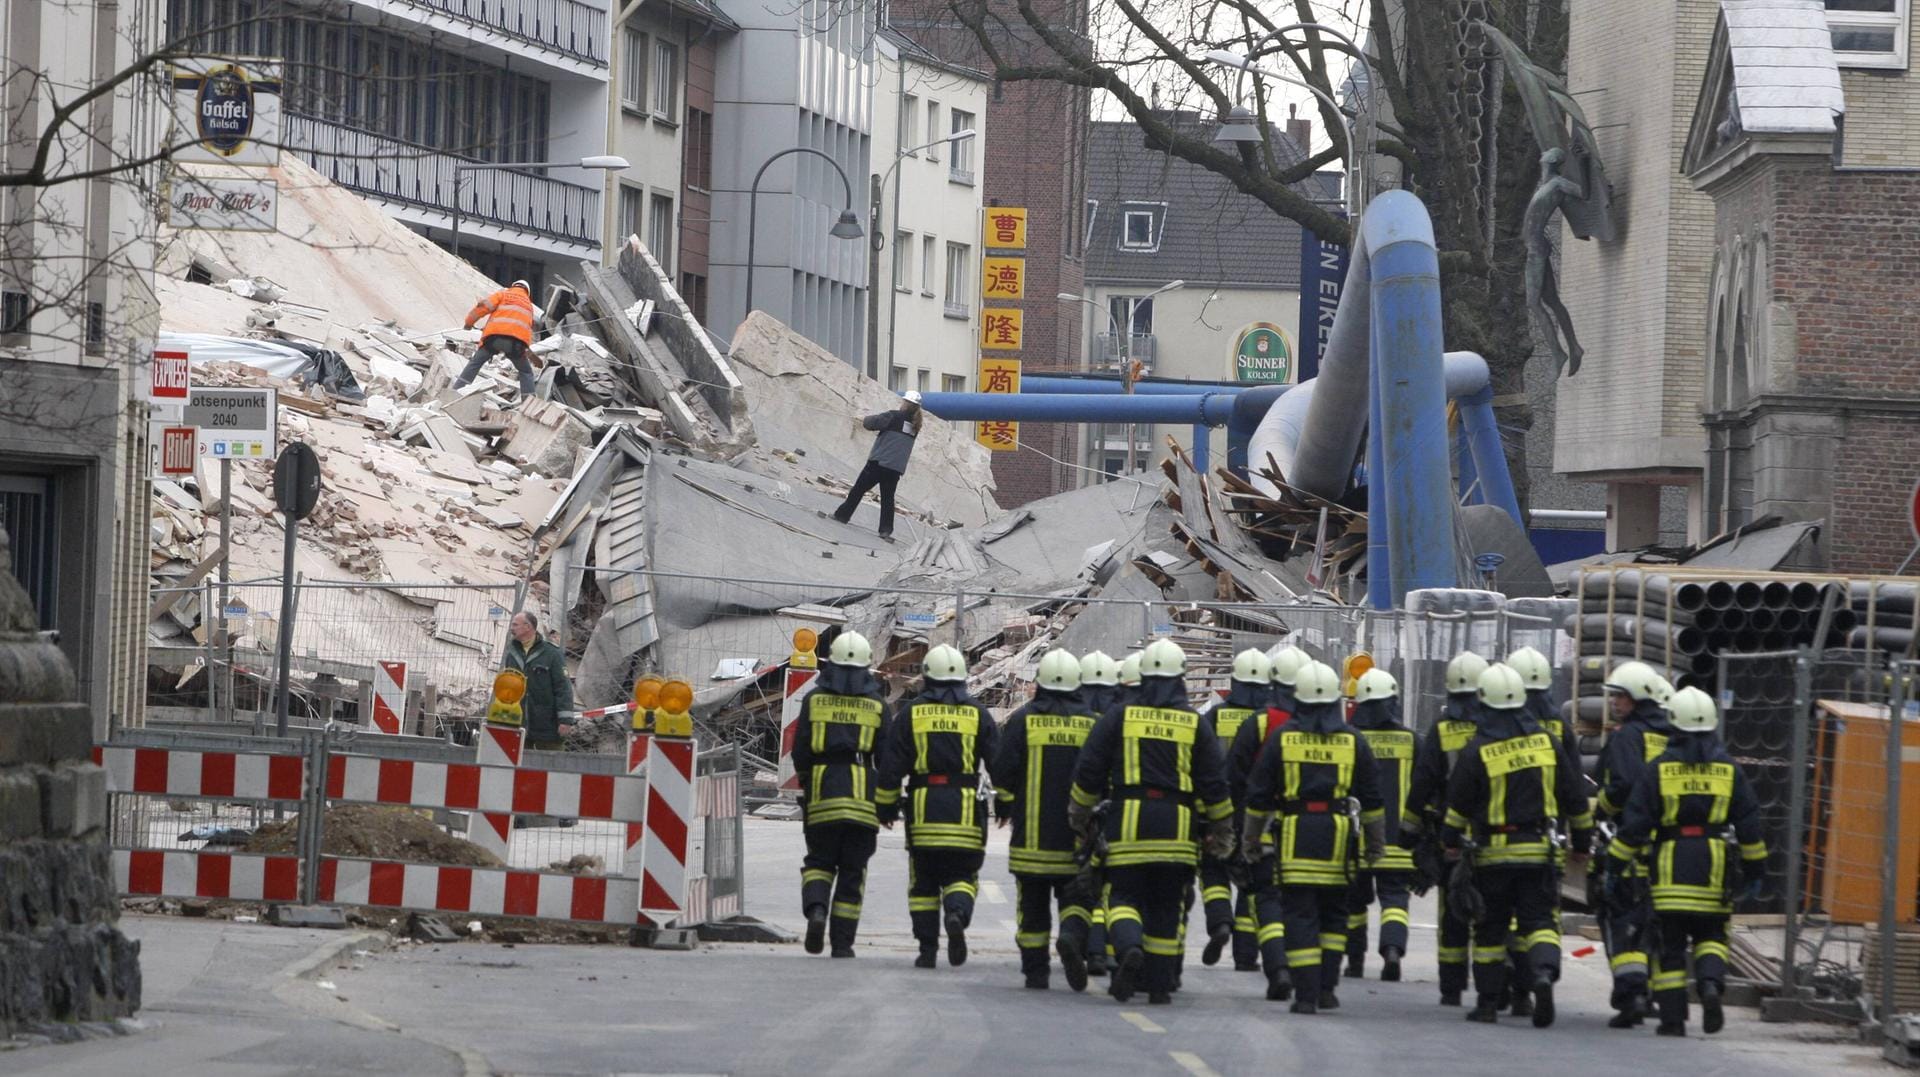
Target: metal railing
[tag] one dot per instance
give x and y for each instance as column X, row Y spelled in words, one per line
column 399, row 171
column 1111, row 349
column 568, row 27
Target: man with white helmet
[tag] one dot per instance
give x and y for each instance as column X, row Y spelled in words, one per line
column 1376, row 715
column 1159, row 767
column 1304, row 775
column 1033, row 782
column 1130, row 675
column 1637, row 697
column 834, row 742
column 1100, row 689
column 1433, row 763
column 1677, row 817
column 1269, row 928
column 1230, row 916
column 1537, row 674
column 938, row 743
column 1513, row 791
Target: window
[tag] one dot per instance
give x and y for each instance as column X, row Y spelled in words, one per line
column 960, row 163
column 1132, row 313
column 1093, row 214
column 953, row 383
column 923, row 381
column 1869, row 33
column 13, row 312
column 666, row 81
column 903, row 261
column 96, row 328
column 959, row 292
column 693, row 289
column 926, row 265
column 1138, row 230
column 660, row 231
column 633, row 77
column 897, row 378
column 699, row 141
column 632, row 201
column 933, row 127
column 910, row 111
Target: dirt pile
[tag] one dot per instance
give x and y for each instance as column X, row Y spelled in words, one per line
column 376, row 833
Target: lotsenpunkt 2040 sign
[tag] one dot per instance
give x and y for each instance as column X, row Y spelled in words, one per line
column 227, row 111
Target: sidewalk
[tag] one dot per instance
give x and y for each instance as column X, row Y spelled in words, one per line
column 240, row 1000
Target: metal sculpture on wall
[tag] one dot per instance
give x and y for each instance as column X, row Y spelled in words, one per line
column 1551, row 322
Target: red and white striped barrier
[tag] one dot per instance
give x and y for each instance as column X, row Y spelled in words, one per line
column 389, row 695
column 670, row 816
column 391, row 884
column 499, row 746
column 233, row 876
column 599, row 712
column 639, row 746
column 798, row 683
column 472, row 787
column 229, row 775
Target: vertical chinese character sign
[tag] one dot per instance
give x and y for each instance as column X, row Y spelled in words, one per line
column 1000, row 328
column 998, row 375
column 1003, row 278
column 1006, row 229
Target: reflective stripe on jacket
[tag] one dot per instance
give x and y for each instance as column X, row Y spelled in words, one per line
column 509, row 313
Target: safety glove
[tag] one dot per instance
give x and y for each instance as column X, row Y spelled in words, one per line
column 1220, row 838
column 1754, row 874
column 1252, row 831
column 1376, row 831
column 1079, row 816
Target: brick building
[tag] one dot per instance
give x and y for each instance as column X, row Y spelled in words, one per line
column 1812, row 376
column 1034, row 161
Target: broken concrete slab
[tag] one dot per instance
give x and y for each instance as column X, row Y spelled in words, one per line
column 544, row 436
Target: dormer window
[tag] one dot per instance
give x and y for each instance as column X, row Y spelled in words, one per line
column 1137, row 233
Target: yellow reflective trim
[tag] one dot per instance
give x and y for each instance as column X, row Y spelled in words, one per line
column 1160, row 723
column 1227, row 721
column 1299, row 959
column 844, row 710
column 1654, row 745
column 1518, row 753
column 1161, row 947
column 815, row 875
column 1082, row 797
column 1389, row 743
column 1454, row 735
column 1270, row 932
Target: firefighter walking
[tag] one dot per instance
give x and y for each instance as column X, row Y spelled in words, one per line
column 1160, row 768
column 1304, row 776
column 1229, row 915
column 1269, row 928
column 1637, row 697
column 1513, row 793
column 1536, row 673
column 937, row 743
column 1433, row 762
column 835, row 739
column 1376, row 715
column 1099, row 690
column 1033, row 781
column 1678, row 816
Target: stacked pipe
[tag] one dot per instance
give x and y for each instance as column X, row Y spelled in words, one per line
column 1882, row 615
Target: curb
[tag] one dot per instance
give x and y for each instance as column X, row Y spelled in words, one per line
column 308, row 967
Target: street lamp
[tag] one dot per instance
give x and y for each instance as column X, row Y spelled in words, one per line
column 602, row 162
column 847, row 227
column 1113, row 325
column 879, row 240
column 1239, row 126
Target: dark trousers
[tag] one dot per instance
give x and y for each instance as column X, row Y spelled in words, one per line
column 1706, row 936
column 1625, row 932
column 1456, row 935
column 1226, row 904
column 871, row 476
column 1144, row 905
column 834, row 875
column 1521, row 898
column 941, row 881
column 506, row 347
column 1269, row 919
column 1394, row 890
column 1315, row 934
column 1037, row 895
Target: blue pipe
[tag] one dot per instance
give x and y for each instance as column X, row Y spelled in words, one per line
column 1249, row 407
column 1209, row 409
column 1488, row 454
column 1201, row 450
column 1379, row 550
column 1410, row 390
column 1056, row 383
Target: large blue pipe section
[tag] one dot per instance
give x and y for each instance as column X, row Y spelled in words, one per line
column 1209, row 409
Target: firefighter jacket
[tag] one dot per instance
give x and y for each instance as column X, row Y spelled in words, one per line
column 1392, row 745
column 836, row 741
column 1160, row 767
column 1547, row 716
column 937, row 743
column 1512, row 786
column 509, row 313
column 1638, row 742
column 1678, row 815
column 1434, row 759
column 1033, row 781
column 1243, row 702
column 1306, row 772
column 1097, row 699
column 1248, row 739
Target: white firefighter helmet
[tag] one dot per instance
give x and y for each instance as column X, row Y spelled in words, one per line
column 1534, row 669
column 1316, row 683
column 1253, row 667
column 1463, row 673
column 1286, row 665
column 1375, row 684
column 1638, row 681
column 1501, row 688
column 1098, row 669
column 850, row 649
column 1692, row 711
column 1059, row 672
column 1130, row 670
column 1163, row 658
column 944, row 663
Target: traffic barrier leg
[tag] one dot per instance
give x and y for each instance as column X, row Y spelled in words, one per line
column 499, row 746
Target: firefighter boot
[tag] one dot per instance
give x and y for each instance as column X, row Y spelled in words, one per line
column 1489, row 983
column 1218, row 936
column 1356, row 966
column 1073, row 960
column 929, row 956
column 1542, row 1009
column 816, row 928
column 1307, row 990
column 956, row 938
column 1712, row 1017
column 1126, row 974
column 840, row 934
column 1390, row 964
column 1037, row 969
column 1279, row 985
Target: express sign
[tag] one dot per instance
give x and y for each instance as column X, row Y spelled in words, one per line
column 168, row 377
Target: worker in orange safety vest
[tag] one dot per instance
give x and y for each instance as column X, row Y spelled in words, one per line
column 508, row 334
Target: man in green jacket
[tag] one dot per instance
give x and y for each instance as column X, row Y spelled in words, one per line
column 549, row 693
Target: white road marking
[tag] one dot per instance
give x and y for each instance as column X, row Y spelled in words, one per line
column 991, row 893
column 1193, row 1064
column 1140, row 1021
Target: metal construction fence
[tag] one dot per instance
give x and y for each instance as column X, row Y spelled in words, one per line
column 337, row 816
column 1827, row 739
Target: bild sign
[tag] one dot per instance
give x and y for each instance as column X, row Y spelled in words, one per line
column 1262, row 354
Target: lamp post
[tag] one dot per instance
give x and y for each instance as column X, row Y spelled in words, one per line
column 1126, row 356
column 602, row 162
column 847, row 227
column 878, row 241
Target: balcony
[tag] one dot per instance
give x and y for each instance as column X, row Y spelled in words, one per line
column 396, row 171
column 568, row 27
column 1110, row 350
